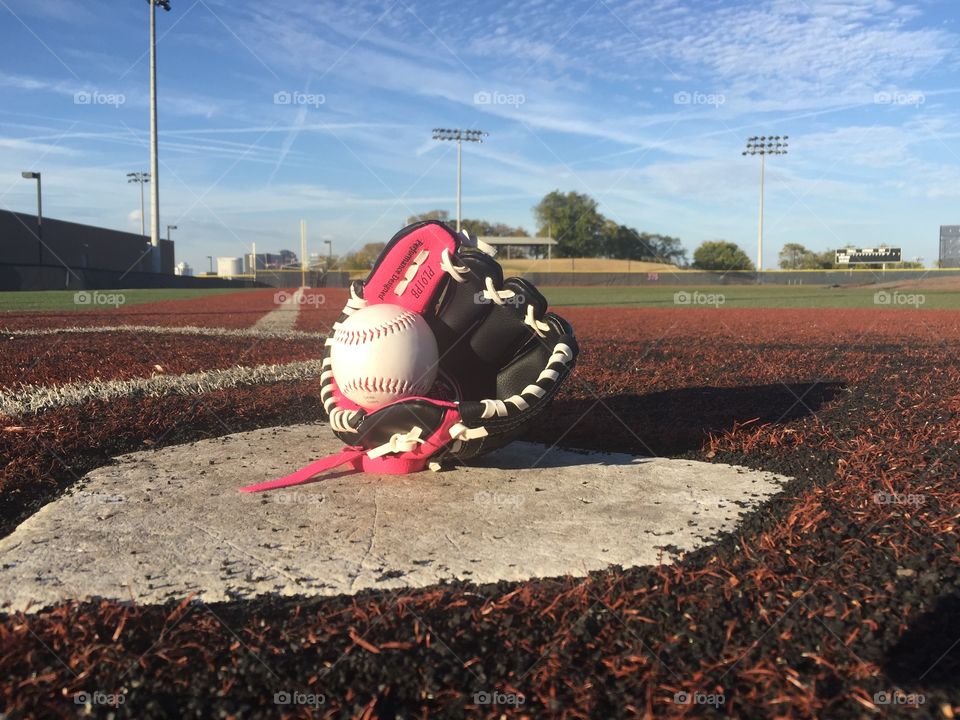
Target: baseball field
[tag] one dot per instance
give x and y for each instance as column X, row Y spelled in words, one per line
column 834, row 596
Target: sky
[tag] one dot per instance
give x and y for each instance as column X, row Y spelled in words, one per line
column 274, row 112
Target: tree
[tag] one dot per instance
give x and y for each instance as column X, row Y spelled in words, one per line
column 794, row 256
column 667, row 249
column 486, row 228
column 720, row 255
column 288, row 258
column 441, row 215
column 627, row 243
column 572, row 219
column 364, row 257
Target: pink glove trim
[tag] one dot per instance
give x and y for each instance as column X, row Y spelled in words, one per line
column 419, row 290
column 356, row 457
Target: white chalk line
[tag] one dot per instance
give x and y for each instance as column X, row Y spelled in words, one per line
column 179, row 330
column 33, row 398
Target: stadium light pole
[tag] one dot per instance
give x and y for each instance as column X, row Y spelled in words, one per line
column 29, row 175
column 155, row 191
column 169, row 228
column 764, row 145
column 210, row 258
column 329, row 244
column 460, row 136
column 141, row 178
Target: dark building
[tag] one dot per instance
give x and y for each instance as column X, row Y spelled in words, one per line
column 950, row 246
column 74, row 255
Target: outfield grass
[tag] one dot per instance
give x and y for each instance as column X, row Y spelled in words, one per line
column 58, row 300
column 750, row 296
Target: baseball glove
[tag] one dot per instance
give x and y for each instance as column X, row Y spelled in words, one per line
column 502, row 358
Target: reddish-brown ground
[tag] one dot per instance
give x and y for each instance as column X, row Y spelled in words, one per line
column 58, row 359
column 320, row 308
column 842, row 587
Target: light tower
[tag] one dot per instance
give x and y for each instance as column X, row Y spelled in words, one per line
column 460, row 136
column 764, row 145
column 141, row 178
column 31, row 175
column 155, row 192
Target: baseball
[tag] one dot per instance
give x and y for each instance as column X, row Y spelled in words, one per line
column 383, row 353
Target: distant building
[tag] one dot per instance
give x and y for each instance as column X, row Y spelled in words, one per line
column 229, row 266
column 183, row 269
column 264, row 261
column 950, row 246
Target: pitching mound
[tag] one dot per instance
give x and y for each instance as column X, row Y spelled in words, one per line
column 163, row 524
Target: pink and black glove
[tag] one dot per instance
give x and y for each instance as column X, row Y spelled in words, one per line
column 502, row 358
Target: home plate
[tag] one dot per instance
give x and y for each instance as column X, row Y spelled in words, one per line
column 163, row 524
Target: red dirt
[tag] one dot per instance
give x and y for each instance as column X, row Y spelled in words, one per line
column 321, row 308
column 58, row 359
column 826, row 596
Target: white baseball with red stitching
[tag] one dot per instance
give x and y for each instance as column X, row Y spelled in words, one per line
column 383, row 353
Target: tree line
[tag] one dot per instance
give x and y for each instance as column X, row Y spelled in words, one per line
column 581, row 230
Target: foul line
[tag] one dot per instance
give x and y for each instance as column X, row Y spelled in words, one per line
column 34, row 399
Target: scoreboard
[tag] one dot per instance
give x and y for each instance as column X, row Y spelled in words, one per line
column 854, row 256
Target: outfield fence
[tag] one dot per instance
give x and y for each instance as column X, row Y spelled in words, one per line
column 767, row 277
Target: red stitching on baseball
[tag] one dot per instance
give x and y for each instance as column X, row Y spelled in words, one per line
column 385, row 385
column 358, row 336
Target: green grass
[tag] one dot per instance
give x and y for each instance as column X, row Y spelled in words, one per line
column 750, row 296
column 60, row 300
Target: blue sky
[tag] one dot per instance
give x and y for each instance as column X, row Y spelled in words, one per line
column 643, row 105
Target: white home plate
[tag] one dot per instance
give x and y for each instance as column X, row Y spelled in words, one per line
column 163, row 524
